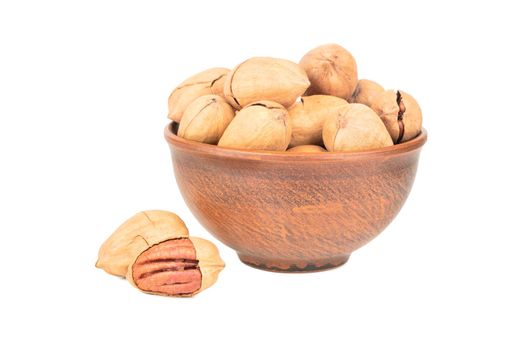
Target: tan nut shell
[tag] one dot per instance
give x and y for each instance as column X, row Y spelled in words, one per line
column 366, row 91
column 265, row 78
column 307, row 117
column 262, row 125
column 307, row 149
column 210, row 81
column 387, row 106
column 209, row 262
column 332, row 70
column 135, row 235
column 355, row 128
column 205, row 119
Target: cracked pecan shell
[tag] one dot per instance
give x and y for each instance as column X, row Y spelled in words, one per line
column 400, row 113
column 138, row 233
column 262, row 125
column 308, row 115
column 355, row 127
column 265, row 78
column 210, row 81
column 205, row 119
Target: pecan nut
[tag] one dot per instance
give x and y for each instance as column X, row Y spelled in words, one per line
column 265, row 78
column 332, row 70
column 261, row 125
column 136, row 234
column 177, row 267
column 308, row 115
column 355, row 127
column 208, row 82
column 400, row 113
column 366, row 91
column 205, row 119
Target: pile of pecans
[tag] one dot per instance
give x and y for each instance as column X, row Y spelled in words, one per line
column 273, row 104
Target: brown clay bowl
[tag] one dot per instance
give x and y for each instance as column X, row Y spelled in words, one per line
column 293, row 212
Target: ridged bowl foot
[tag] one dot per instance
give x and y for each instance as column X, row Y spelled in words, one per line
column 293, row 266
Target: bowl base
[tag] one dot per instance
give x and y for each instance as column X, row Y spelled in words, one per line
column 291, row 266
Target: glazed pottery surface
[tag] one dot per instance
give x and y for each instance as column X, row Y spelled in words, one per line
column 293, row 212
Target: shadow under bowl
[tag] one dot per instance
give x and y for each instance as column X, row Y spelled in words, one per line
column 293, row 212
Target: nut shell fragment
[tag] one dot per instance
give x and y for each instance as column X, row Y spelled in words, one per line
column 205, row 119
column 210, row 81
column 262, row 125
column 135, row 235
column 265, row 78
column 332, row 70
column 209, row 261
column 307, row 117
column 355, row 128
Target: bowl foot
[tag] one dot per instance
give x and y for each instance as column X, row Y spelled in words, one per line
column 293, row 266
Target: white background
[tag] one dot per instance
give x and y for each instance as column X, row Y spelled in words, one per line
column 83, row 103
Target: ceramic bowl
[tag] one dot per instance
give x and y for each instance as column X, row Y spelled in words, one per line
column 293, row 212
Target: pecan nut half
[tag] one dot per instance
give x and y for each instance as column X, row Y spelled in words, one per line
column 177, row 267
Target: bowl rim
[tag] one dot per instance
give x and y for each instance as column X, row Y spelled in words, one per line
column 214, row 150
